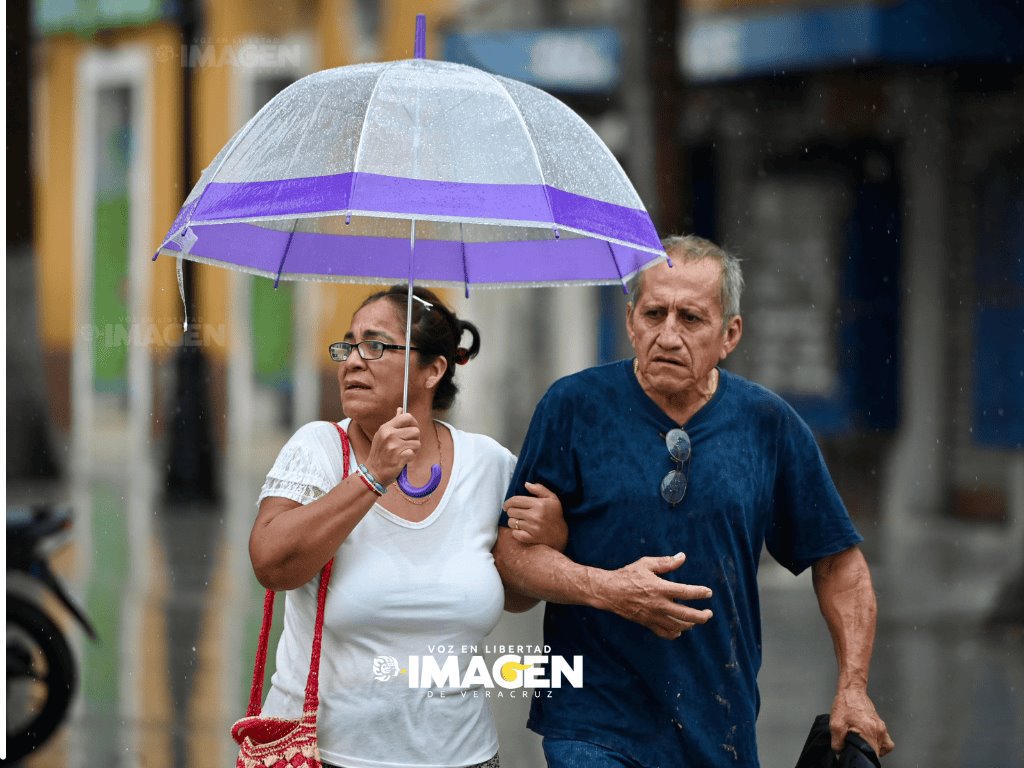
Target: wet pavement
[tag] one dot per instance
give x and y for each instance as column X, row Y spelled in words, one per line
column 177, row 610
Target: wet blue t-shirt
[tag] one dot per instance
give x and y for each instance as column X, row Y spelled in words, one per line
column 756, row 476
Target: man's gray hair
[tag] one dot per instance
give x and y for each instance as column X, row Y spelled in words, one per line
column 687, row 248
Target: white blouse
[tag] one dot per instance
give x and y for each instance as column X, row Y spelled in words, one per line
column 399, row 589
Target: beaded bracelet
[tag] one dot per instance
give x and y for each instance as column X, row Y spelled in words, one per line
column 367, row 477
column 366, row 482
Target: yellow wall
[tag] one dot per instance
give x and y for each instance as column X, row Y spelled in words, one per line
column 224, row 25
column 55, row 180
column 167, row 190
column 226, row 22
column 398, row 26
column 330, row 24
column 54, row 190
column 335, row 32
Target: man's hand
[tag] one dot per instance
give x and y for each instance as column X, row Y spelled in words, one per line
column 537, row 519
column 842, row 583
column 852, row 710
column 636, row 592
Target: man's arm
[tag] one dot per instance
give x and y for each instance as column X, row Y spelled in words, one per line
column 842, row 584
column 534, row 520
column 635, row 592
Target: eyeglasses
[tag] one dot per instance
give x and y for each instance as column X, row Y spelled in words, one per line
column 673, row 485
column 371, row 349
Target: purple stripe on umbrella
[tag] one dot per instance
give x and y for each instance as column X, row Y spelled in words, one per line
column 242, row 245
column 393, row 194
column 183, row 216
column 286, row 197
column 600, row 218
column 373, row 193
column 565, row 260
column 553, row 261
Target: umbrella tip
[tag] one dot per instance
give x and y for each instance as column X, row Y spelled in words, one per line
column 421, row 36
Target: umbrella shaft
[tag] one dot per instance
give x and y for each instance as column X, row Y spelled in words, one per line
column 408, row 320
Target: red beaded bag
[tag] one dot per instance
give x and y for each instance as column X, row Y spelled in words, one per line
column 276, row 742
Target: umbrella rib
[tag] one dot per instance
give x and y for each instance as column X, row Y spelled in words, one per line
column 287, row 246
column 465, row 266
column 302, row 138
column 618, row 269
column 234, row 142
column 623, row 177
column 363, row 128
column 284, row 135
column 533, row 148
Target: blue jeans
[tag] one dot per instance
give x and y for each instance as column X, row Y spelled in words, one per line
column 569, row 753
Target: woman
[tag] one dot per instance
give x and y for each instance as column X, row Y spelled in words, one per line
column 413, row 575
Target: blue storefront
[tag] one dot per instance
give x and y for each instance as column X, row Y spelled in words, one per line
column 861, row 159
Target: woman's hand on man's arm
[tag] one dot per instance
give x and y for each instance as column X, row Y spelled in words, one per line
column 537, row 518
column 534, row 520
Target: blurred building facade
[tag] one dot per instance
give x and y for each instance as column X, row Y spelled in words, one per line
column 866, row 162
column 863, row 158
column 126, row 95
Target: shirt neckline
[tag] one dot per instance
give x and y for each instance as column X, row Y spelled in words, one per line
column 655, row 410
column 441, row 505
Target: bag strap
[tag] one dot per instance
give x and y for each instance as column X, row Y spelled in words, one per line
column 313, row 680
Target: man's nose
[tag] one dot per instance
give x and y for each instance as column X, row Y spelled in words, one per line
column 670, row 335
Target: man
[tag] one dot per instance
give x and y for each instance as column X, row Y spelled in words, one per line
column 666, row 683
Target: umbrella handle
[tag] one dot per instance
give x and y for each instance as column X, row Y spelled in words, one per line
column 406, row 486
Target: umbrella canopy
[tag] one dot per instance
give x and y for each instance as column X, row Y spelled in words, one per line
column 416, row 170
column 497, row 182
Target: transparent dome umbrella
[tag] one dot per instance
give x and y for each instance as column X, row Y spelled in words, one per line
column 417, row 170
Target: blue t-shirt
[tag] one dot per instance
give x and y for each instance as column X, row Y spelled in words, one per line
column 756, row 476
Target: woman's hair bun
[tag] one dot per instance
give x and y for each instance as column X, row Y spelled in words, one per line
column 462, row 354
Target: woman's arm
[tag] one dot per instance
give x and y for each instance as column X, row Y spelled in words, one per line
column 290, row 543
column 288, row 546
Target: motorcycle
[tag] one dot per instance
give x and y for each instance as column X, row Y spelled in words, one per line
column 41, row 672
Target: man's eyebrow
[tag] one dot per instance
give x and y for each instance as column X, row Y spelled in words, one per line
column 695, row 311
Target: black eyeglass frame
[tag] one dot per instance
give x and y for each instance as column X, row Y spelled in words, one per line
column 339, row 354
column 674, row 484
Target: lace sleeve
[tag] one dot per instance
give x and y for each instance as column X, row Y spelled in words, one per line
column 303, row 493
column 301, row 472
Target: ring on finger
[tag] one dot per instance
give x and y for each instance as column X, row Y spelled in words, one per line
column 515, row 523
